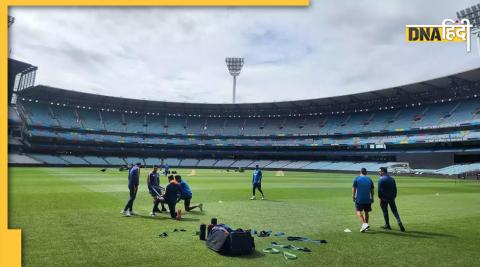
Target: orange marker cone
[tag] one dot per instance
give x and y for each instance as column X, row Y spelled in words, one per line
column 179, row 214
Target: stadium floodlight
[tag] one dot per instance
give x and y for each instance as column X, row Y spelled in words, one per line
column 473, row 15
column 234, row 65
column 11, row 20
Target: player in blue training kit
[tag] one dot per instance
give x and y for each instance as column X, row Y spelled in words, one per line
column 387, row 192
column 153, row 184
column 186, row 194
column 133, row 181
column 257, row 182
column 362, row 195
column 165, row 169
column 171, row 196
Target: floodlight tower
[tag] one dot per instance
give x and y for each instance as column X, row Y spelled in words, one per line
column 234, row 65
column 473, row 15
column 11, row 20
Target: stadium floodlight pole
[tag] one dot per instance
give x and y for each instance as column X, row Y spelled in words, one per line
column 473, row 15
column 11, row 20
column 234, row 65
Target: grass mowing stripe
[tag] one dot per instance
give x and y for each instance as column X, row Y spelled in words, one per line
column 70, row 217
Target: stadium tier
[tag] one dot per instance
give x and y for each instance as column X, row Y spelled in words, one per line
column 436, row 119
column 419, row 117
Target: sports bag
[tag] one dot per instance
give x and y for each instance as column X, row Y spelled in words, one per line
column 217, row 237
column 239, row 242
column 226, row 241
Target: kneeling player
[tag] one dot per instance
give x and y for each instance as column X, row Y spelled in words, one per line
column 186, row 194
column 153, row 183
column 171, row 196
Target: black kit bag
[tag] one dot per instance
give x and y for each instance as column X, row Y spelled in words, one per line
column 239, row 242
column 224, row 240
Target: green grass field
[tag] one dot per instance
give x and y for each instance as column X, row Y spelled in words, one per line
column 70, row 217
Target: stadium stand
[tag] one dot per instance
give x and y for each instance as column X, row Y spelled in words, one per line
column 241, row 163
column 172, row 162
column 74, row 160
column 115, row 161
column 93, row 160
column 189, row 162
column 49, row 159
column 260, row 163
column 153, row 161
column 224, row 163
column 206, row 163
column 278, row 164
column 22, row 159
column 410, row 123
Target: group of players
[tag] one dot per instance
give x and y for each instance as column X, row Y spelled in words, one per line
column 176, row 190
column 363, row 195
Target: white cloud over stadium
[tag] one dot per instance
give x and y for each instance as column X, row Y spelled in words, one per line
column 177, row 54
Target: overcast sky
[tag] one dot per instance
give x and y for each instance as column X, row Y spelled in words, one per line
column 178, row 54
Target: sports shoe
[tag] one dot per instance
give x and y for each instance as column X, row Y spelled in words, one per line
column 401, row 227
column 122, row 212
column 133, row 213
column 152, row 214
column 386, row 227
column 253, row 198
column 365, row 226
column 263, row 197
column 127, row 214
column 200, row 206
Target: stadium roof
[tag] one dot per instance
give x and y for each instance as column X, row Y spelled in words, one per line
column 454, row 86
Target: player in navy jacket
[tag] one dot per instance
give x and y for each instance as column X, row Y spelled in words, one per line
column 133, row 181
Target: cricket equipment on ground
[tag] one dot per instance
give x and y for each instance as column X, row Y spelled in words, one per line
column 230, row 242
column 271, row 251
column 160, row 192
column 292, row 247
column 203, row 231
column 289, row 256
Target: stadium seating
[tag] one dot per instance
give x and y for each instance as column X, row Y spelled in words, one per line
column 49, row 159
column 241, row 163
column 458, row 169
column 206, row 163
column 188, row 162
column 172, row 162
column 224, row 163
column 446, row 114
column 22, row 159
column 74, row 160
column 95, row 160
column 115, row 161
column 152, row 161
